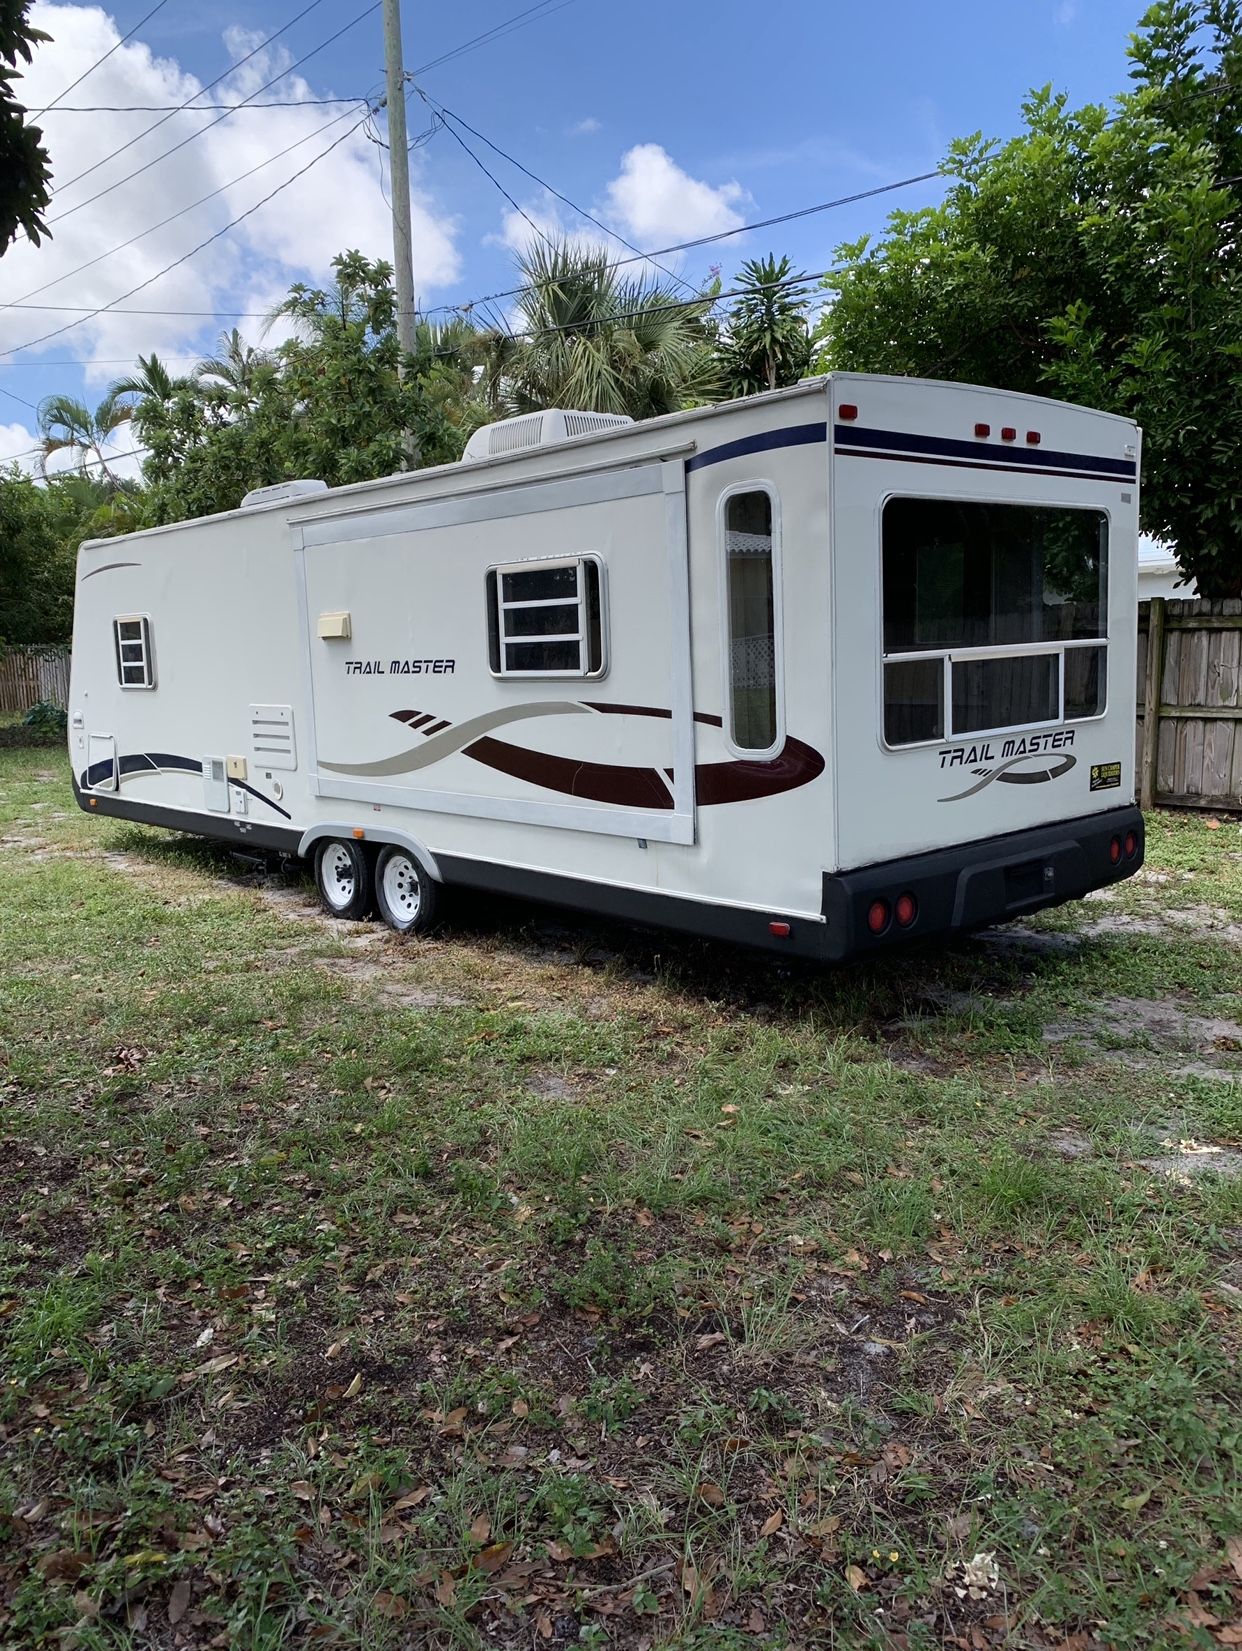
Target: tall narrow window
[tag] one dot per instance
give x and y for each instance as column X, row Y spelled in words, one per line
column 751, row 608
column 135, row 667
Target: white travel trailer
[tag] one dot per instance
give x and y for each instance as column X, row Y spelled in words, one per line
column 823, row 670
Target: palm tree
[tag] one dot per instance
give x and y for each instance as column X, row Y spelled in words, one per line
column 588, row 338
column 766, row 344
column 236, row 371
column 151, row 382
column 68, row 425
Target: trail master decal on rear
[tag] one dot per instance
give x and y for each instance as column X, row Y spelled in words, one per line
column 1009, row 760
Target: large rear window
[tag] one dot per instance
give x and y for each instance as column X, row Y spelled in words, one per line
column 995, row 617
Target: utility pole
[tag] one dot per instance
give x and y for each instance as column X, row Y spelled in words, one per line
column 402, row 236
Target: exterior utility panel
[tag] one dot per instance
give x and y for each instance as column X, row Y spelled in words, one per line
column 824, row 670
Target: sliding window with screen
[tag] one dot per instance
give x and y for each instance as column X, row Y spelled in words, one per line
column 995, row 617
column 546, row 618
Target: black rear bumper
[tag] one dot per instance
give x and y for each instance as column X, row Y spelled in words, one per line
column 973, row 884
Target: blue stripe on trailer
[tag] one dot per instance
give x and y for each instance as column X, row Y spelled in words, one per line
column 897, row 444
column 793, row 435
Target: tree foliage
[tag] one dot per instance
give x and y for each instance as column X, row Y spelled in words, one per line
column 25, row 171
column 1094, row 257
column 589, row 337
column 38, row 542
column 766, row 343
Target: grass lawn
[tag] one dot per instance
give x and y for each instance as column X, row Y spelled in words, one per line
column 551, row 1283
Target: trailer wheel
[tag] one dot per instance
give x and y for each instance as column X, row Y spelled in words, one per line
column 407, row 898
column 343, row 877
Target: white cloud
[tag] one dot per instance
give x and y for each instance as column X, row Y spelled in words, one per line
column 337, row 204
column 586, row 128
column 655, row 201
column 16, row 441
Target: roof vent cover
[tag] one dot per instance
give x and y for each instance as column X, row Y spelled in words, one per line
column 527, row 430
column 279, row 492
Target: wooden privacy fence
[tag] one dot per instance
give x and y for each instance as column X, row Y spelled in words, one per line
column 31, row 674
column 1190, row 703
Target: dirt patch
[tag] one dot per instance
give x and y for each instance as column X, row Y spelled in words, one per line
column 552, row 1086
column 410, row 994
column 1188, row 1160
column 1166, row 1025
column 1070, row 1144
column 1197, row 922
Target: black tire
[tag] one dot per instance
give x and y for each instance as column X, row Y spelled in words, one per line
column 407, row 898
column 343, row 877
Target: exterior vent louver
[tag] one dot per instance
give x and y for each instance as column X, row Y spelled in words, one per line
column 530, row 430
column 271, row 736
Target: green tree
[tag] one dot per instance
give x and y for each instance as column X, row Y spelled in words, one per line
column 68, row 425
column 766, row 342
column 38, row 546
column 25, row 171
column 591, row 338
column 1093, row 257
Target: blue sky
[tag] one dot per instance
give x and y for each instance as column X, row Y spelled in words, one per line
column 664, row 121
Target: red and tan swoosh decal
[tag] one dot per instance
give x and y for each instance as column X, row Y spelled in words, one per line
column 621, row 784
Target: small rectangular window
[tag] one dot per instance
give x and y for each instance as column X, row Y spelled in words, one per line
column 135, row 667
column 546, row 618
column 751, row 612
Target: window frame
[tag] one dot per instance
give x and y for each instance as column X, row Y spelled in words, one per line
column 746, row 753
column 495, row 608
column 148, row 652
column 1008, row 650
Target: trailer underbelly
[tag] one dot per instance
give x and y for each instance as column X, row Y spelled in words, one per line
column 955, row 889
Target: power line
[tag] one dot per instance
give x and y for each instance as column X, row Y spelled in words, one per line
column 210, row 86
column 13, row 395
column 510, row 25
column 445, row 112
column 724, row 234
column 181, row 211
column 194, row 136
column 177, row 262
column 56, row 100
column 207, row 108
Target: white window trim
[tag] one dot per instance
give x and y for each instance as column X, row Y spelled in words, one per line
column 1013, row 650
column 148, row 651
column 745, row 752
column 581, row 635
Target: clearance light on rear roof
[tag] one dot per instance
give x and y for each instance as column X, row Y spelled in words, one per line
column 1008, row 433
column 848, row 410
column 1032, row 438
column 983, row 430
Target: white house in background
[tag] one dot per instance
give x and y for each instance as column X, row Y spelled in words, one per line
column 1158, row 572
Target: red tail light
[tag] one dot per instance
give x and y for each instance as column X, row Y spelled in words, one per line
column 906, row 910
column 1131, row 845
column 1114, row 851
column 877, row 916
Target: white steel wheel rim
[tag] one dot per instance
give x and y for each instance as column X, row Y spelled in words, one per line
column 403, row 890
column 336, row 876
